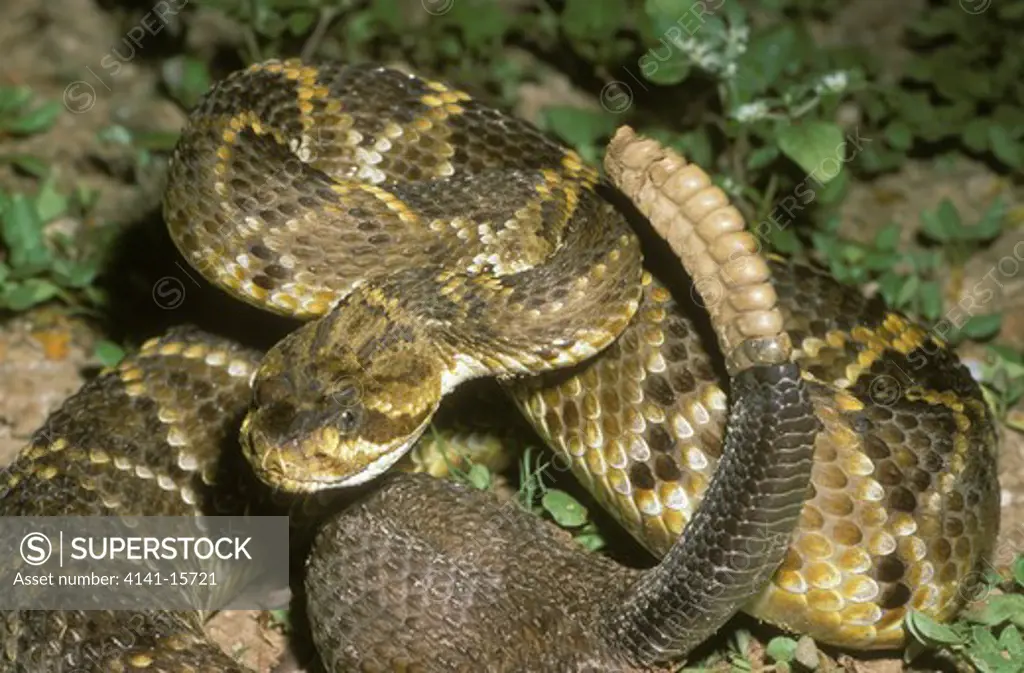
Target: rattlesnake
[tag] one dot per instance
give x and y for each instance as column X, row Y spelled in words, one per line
column 430, row 239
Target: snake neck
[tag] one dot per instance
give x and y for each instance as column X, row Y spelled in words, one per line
column 738, row 536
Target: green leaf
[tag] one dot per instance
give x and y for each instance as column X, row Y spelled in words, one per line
column 975, row 134
column 998, row 609
column 582, row 129
column 767, row 56
column 991, row 223
column 27, row 163
column 36, row 121
column 899, row 135
column 300, row 21
column 672, row 70
column 781, row 648
column 696, row 146
column 28, row 293
column 1018, row 570
column 908, row 291
column 944, row 224
column 97, row 296
column 815, row 146
column 108, row 353
column 50, row 204
column 1006, row 148
column 929, row 631
column 594, row 21
column 283, row 618
column 14, row 97
column 563, row 508
column 1010, row 117
column 980, row 327
column 762, row 156
column 483, row 23
column 187, row 78
column 986, row 653
column 1011, row 641
column 664, row 15
column 75, row 273
column 115, row 134
column 888, row 237
column 22, row 233
column 590, row 537
column 834, row 190
column 889, row 285
column 931, row 300
column 880, row 260
column 479, row 476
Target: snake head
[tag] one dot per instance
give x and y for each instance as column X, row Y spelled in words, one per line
column 326, row 414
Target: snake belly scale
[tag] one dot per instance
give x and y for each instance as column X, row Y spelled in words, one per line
column 429, row 239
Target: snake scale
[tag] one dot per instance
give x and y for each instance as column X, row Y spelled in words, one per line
column 428, row 239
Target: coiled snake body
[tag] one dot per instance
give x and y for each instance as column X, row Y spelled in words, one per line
column 441, row 240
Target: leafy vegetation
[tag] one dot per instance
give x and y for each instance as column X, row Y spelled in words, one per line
column 21, row 114
column 1003, row 376
column 40, row 267
column 535, row 495
column 988, row 635
column 918, row 281
column 960, row 85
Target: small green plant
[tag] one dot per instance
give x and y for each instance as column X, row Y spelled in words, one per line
column 534, row 495
column 537, row 497
column 1003, row 376
column 959, row 239
column 917, row 280
column 761, row 98
column 988, row 635
column 108, row 353
column 960, row 86
column 37, row 267
column 789, row 653
column 186, row 78
column 281, row 619
column 22, row 115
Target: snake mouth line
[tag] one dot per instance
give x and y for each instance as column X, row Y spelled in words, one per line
column 274, row 476
column 330, row 470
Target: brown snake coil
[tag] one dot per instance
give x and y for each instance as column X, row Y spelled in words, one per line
column 902, row 502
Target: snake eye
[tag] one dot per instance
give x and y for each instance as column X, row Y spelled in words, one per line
column 348, row 420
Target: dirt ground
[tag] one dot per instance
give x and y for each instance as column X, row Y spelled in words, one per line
column 44, row 355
